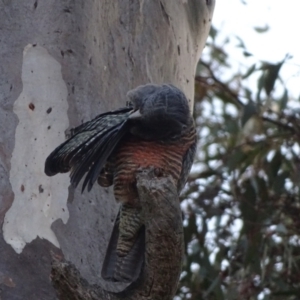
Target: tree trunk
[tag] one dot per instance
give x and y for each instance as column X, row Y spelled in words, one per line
column 62, row 63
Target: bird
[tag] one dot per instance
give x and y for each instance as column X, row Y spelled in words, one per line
column 154, row 129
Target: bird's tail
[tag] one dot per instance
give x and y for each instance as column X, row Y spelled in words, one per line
column 124, row 257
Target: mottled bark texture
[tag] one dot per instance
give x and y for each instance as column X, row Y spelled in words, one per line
column 104, row 49
column 164, row 248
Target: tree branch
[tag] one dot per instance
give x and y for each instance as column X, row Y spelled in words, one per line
column 219, row 84
column 69, row 285
column 164, row 248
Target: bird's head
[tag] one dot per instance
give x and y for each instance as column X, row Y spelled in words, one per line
column 159, row 111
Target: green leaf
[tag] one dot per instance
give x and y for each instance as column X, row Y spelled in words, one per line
column 262, row 29
column 213, row 32
column 248, row 111
column 250, row 71
column 284, row 99
column 279, row 181
column 216, row 288
column 271, row 74
column 262, row 189
column 231, row 126
column 241, row 43
column 247, row 54
column 260, row 85
column 191, row 229
column 247, row 204
column 274, row 166
column 236, row 158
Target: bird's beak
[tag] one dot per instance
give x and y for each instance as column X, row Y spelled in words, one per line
column 135, row 115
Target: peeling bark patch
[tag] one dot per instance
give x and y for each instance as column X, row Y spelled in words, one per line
column 40, row 203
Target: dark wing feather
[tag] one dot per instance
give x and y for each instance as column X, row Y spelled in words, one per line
column 91, row 141
column 99, row 157
column 103, row 120
column 95, row 153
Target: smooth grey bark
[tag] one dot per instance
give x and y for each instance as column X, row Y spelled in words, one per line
column 104, row 49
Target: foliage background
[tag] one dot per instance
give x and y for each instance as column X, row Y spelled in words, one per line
column 241, row 205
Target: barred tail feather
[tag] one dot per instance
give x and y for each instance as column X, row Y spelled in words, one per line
column 125, row 268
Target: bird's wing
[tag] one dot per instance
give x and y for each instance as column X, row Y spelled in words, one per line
column 89, row 147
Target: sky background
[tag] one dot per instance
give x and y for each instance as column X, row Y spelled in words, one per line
column 282, row 18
